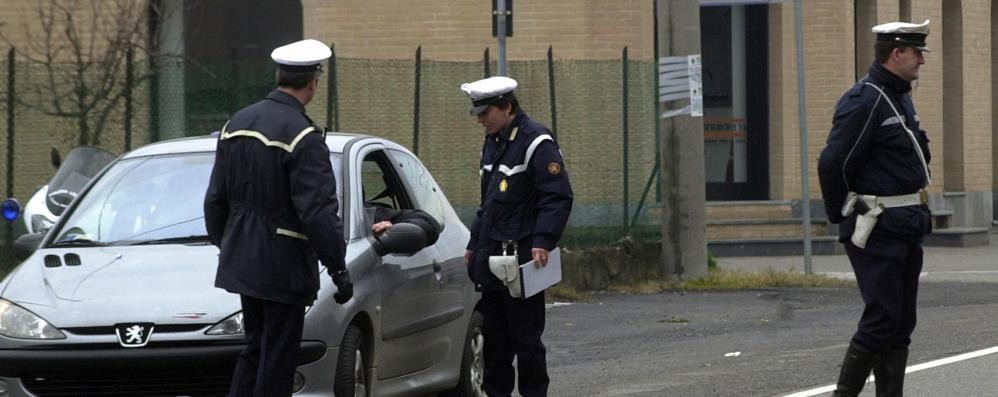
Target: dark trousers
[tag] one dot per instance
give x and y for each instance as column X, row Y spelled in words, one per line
column 266, row 367
column 513, row 327
column 887, row 273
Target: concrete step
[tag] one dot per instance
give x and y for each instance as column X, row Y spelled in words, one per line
column 762, row 228
column 731, row 210
column 958, row 237
column 823, row 245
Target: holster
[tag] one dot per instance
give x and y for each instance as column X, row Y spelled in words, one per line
column 864, row 226
column 866, row 218
column 507, row 268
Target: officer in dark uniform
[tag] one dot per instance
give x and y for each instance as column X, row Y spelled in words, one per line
column 873, row 172
column 271, row 208
column 526, row 199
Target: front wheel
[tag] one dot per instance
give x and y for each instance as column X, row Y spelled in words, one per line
column 351, row 374
column 471, row 383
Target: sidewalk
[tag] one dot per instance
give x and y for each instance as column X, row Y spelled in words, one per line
column 971, row 264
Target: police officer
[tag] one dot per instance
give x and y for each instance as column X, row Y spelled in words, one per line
column 271, row 208
column 873, row 172
column 526, row 199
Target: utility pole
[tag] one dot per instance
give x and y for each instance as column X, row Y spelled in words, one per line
column 684, row 240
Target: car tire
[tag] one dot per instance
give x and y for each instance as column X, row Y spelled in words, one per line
column 351, row 377
column 471, row 383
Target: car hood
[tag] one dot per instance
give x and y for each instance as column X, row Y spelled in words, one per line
column 162, row 284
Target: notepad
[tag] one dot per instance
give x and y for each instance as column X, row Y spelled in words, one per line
column 535, row 279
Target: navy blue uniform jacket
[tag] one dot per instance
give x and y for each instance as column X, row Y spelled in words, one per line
column 869, row 152
column 271, row 205
column 526, row 196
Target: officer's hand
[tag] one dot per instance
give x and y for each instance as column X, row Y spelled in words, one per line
column 468, row 256
column 379, row 228
column 540, row 257
column 344, row 287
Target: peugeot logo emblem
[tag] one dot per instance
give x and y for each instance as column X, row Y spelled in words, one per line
column 133, row 335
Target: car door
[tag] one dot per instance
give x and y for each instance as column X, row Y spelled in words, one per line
column 412, row 306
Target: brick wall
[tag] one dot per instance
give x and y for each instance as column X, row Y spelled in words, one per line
column 461, row 30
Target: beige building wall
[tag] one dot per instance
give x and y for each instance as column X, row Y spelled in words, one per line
column 829, row 57
column 975, row 155
column 461, row 30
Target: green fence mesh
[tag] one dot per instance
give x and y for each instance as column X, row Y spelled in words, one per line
column 380, row 97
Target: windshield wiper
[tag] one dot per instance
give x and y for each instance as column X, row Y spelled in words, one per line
column 200, row 238
column 78, row 242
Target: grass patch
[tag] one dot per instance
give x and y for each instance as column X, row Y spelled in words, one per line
column 717, row 280
column 725, row 280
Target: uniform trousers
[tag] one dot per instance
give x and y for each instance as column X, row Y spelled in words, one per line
column 513, row 327
column 887, row 273
column 266, row 367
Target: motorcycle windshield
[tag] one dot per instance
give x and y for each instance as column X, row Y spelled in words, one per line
column 80, row 166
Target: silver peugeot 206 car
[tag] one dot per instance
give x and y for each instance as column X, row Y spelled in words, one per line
column 117, row 298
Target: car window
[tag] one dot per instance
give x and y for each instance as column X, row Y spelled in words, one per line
column 143, row 198
column 380, row 185
column 423, row 187
column 149, row 198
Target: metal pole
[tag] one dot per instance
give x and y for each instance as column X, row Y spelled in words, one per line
column 415, row 103
column 623, row 117
column 554, row 101
column 805, row 183
column 10, row 123
column 655, row 105
column 9, row 229
column 485, row 64
column 501, row 32
column 129, row 87
column 331, row 88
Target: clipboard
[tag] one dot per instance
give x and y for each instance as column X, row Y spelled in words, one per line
column 535, row 279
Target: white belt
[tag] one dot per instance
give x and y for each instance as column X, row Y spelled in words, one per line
column 921, row 197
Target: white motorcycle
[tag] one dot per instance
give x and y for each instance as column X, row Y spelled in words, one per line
column 82, row 163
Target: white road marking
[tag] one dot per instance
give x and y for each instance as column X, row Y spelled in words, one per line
column 908, row 370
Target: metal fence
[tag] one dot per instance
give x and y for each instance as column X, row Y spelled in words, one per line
column 602, row 112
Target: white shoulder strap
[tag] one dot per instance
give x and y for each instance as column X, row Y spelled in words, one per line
column 914, row 141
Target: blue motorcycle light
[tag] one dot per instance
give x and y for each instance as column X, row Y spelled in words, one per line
column 11, row 209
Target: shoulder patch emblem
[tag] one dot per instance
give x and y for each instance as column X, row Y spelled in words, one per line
column 554, row 168
column 503, row 185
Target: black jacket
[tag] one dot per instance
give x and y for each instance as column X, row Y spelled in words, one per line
column 526, row 196
column 869, row 152
column 271, row 205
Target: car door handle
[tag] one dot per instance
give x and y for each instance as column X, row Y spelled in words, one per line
column 437, row 272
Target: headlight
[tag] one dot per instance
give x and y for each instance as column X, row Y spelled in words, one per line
column 40, row 224
column 16, row 322
column 232, row 325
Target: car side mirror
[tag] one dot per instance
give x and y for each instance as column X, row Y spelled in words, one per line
column 402, row 238
column 26, row 245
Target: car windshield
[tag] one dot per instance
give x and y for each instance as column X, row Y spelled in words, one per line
column 146, row 200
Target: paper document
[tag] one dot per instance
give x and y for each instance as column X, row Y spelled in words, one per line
column 535, row 279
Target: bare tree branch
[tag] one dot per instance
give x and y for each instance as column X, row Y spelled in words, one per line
column 75, row 57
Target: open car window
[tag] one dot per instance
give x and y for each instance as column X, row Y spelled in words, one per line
column 380, row 184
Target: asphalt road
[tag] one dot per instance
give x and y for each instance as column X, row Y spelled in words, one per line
column 773, row 342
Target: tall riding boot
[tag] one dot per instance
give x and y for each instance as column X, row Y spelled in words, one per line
column 889, row 371
column 855, row 369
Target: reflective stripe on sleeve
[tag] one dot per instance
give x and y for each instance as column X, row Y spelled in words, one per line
column 262, row 138
column 526, row 159
column 293, row 234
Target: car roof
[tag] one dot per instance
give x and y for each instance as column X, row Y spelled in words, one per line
column 206, row 143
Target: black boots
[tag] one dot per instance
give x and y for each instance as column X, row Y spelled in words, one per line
column 855, row 369
column 888, row 367
column 889, row 371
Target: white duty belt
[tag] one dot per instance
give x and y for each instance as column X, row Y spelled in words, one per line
column 918, row 198
column 877, row 204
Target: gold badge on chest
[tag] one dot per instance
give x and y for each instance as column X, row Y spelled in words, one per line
column 503, row 185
